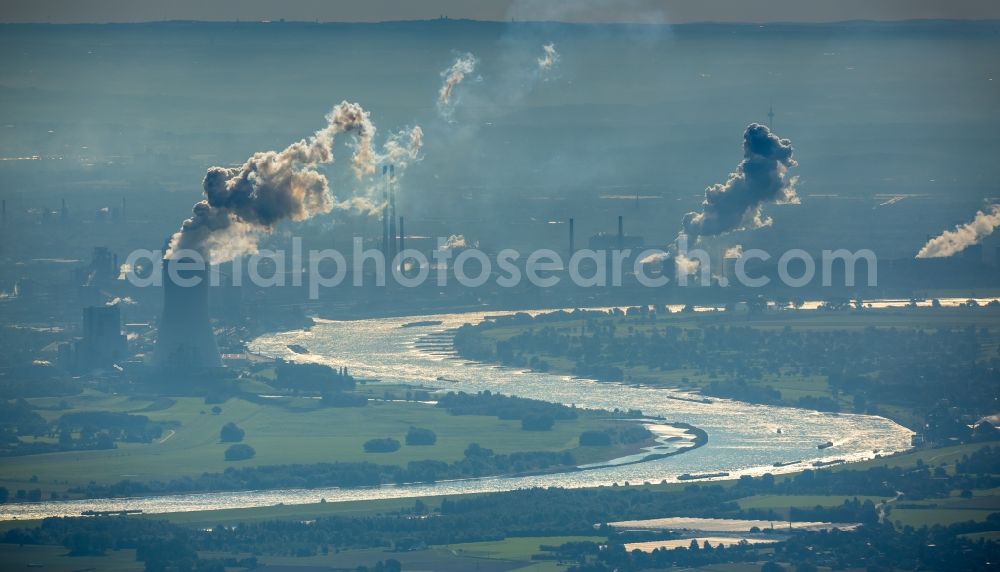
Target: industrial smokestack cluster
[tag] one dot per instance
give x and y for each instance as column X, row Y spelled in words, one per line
column 185, row 339
column 389, row 234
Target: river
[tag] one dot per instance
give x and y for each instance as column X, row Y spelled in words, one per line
column 743, row 439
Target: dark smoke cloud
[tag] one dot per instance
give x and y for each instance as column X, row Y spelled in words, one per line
column 760, row 178
column 243, row 202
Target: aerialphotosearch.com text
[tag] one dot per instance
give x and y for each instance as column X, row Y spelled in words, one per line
column 507, row 268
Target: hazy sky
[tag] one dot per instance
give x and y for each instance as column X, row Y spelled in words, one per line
column 649, row 11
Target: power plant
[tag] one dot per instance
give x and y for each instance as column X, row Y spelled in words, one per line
column 185, row 340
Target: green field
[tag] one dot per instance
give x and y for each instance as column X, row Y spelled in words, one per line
column 508, row 554
column 948, row 510
column 285, row 430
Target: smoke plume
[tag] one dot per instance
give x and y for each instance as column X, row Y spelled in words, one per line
column 550, row 59
column 456, row 242
column 954, row 241
column 685, row 265
column 463, row 66
column 243, row 202
column 403, row 147
column 655, row 257
column 734, row 251
column 758, row 179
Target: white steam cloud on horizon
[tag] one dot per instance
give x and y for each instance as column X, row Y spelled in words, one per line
column 951, row 242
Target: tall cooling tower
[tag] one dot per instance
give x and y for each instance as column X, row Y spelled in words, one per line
column 185, row 339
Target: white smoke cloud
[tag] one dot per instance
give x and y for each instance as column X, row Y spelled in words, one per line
column 457, row 242
column 361, row 204
column 654, row 258
column 686, row 265
column 734, row 251
column 453, row 76
column 550, row 59
column 952, row 242
column 403, row 147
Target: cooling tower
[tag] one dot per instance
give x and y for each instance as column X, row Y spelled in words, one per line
column 185, row 339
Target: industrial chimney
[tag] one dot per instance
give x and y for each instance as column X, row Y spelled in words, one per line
column 402, row 235
column 385, row 211
column 621, row 233
column 185, row 339
column 392, row 214
column 572, row 242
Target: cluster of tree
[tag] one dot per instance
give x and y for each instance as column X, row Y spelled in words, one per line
column 312, row 377
column 535, row 415
column 385, row 445
column 239, row 452
column 84, row 430
column 623, row 435
column 231, row 433
column 31, row 379
column 158, row 544
column 120, row 426
column 417, row 436
column 18, row 418
column 21, row 495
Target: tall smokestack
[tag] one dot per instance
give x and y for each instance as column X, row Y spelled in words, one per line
column 185, row 339
column 402, row 235
column 392, row 212
column 621, row 233
column 572, row 239
column 385, row 211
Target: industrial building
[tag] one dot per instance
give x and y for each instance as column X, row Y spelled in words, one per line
column 185, row 340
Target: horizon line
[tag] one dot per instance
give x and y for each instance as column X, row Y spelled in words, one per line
column 512, row 21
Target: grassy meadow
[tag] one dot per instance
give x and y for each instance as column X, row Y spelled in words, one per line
column 282, row 430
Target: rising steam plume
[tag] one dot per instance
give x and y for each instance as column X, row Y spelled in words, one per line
column 453, row 76
column 760, row 178
column 550, row 59
column 952, row 242
column 241, row 203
